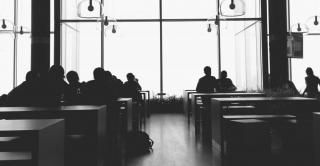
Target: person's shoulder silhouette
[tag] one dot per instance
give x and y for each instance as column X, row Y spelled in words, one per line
column 207, row 83
column 224, row 83
column 27, row 93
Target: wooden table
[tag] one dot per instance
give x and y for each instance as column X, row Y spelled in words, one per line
column 146, row 97
column 126, row 112
column 186, row 102
column 300, row 107
column 195, row 97
column 46, row 136
column 86, row 120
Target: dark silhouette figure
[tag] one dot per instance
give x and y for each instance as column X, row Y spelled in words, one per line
column 132, row 88
column 207, row 83
column 27, row 93
column 118, row 84
column 74, row 94
column 225, row 84
column 290, row 88
column 54, row 86
column 99, row 91
column 312, row 83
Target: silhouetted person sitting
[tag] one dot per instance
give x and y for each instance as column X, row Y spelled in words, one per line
column 225, row 84
column 54, row 86
column 132, row 88
column 98, row 91
column 118, row 85
column 312, row 83
column 74, row 90
column 27, row 93
column 206, row 84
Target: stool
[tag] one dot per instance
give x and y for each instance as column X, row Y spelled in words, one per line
column 248, row 142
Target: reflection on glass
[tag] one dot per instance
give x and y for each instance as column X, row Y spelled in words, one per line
column 241, row 54
column 132, row 9
column 310, row 59
column 187, row 49
column 23, row 57
column 6, row 62
column 189, row 9
column 81, row 48
column 135, row 48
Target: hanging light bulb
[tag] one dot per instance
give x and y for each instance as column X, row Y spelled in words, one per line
column 299, row 28
column 232, row 5
column 313, row 24
column 209, row 28
column 316, row 22
column 3, row 26
column 106, row 22
column 114, row 29
column 21, row 30
column 232, row 8
column 90, row 7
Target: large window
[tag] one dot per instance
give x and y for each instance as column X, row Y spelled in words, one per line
column 166, row 49
column 300, row 12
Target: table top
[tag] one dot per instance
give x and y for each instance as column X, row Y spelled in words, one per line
column 249, row 99
column 26, row 124
column 58, row 108
column 124, row 99
column 227, row 94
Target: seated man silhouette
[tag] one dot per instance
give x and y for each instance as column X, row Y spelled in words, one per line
column 54, row 86
column 206, row 84
column 74, row 90
column 27, row 93
column 132, row 88
column 99, row 91
column 225, row 84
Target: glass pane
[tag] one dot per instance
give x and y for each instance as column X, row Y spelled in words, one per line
column 6, row 63
column 129, row 9
column 81, row 48
column 310, row 59
column 7, row 9
column 300, row 11
column 135, row 48
column 23, row 57
column 252, row 9
column 24, row 13
column 51, row 15
column 187, row 49
column 189, row 8
column 241, row 54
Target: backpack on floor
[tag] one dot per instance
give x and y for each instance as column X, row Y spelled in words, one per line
column 138, row 142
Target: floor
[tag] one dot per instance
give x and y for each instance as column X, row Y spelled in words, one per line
column 175, row 144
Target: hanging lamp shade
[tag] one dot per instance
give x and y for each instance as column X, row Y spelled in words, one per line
column 313, row 24
column 299, row 28
column 6, row 26
column 232, row 8
column 90, row 9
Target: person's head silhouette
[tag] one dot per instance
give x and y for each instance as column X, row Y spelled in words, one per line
column 223, row 74
column 56, row 72
column 130, row 77
column 309, row 71
column 98, row 74
column 31, row 76
column 207, row 71
column 72, row 77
